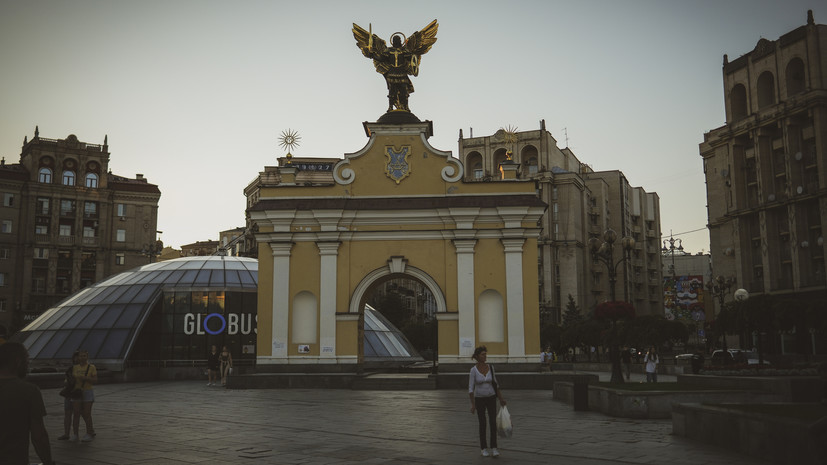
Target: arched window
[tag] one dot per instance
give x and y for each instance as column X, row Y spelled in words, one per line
column 305, row 318
column 44, row 176
column 796, row 82
column 766, row 89
column 738, row 102
column 473, row 165
column 491, row 312
column 499, row 157
column 92, row 180
column 528, row 158
column 68, row 178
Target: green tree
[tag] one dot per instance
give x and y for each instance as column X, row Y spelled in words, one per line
column 572, row 314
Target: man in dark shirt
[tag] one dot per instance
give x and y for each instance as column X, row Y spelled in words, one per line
column 626, row 358
column 21, row 409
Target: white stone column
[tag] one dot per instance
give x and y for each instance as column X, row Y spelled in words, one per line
column 281, row 299
column 329, row 252
column 465, row 296
column 514, row 296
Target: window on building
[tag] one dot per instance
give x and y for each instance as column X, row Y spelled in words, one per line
column 120, row 259
column 40, row 252
column 67, row 208
column 2, row 305
column 5, row 254
column 92, row 180
column 766, row 89
column 45, row 176
column 121, row 210
column 532, row 166
column 41, row 229
column 65, row 230
column 8, row 200
column 42, row 206
column 6, row 227
column 2, row 279
column 68, row 178
column 120, row 235
column 88, row 231
column 90, row 209
column 796, row 77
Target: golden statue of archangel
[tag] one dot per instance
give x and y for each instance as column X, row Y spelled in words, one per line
column 397, row 61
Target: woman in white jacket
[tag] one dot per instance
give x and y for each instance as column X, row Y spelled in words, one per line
column 651, row 361
column 483, row 390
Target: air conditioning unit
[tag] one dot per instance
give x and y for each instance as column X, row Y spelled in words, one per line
column 771, row 198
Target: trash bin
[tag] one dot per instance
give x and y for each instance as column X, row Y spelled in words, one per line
column 581, row 394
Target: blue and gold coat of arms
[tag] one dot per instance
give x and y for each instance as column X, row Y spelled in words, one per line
column 398, row 167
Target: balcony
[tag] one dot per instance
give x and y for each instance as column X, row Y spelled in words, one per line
column 43, row 238
column 66, row 240
column 91, row 241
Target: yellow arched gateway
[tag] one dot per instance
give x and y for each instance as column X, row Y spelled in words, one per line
column 328, row 230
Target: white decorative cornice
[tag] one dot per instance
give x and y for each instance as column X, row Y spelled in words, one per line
column 328, row 248
column 465, row 245
column 281, row 249
column 512, row 245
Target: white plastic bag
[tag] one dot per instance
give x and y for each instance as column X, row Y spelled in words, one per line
column 504, row 428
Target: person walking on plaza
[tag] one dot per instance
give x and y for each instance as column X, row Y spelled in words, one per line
column 21, row 410
column 86, row 376
column 212, row 365
column 626, row 358
column 226, row 364
column 68, row 408
column 484, row 392
column 651, row 360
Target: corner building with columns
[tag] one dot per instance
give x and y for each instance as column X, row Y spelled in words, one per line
column 397, row 208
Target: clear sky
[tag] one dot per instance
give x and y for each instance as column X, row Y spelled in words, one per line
column 194, row 94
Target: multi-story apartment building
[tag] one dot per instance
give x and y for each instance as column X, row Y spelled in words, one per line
column 766, row 168
column 67, row 222
column 582, row 204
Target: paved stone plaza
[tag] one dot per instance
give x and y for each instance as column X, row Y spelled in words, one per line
column 187, row 422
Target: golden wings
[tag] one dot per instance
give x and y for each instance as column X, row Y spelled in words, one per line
column 418, row 44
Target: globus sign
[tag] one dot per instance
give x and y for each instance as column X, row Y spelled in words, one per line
column 233, row 323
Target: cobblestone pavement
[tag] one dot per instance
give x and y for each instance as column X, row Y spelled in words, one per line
column 187, row 422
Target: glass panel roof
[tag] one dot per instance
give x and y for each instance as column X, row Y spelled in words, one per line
column 104, row 318
column 383, row 341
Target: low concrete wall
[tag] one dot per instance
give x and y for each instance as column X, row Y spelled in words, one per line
column 651, row 404
column 789, row 388
column 780, row 440
column 512, row 381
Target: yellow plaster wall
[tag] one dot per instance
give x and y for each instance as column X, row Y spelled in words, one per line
column 531, row 298
column 264, row 321
column 489, row 273
column 347, row 338
column 448, row 337
column 305, row 270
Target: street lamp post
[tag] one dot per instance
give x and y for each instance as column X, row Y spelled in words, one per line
column 719, row 287
column 741, row 296
column 604, row 251
column 671, row 250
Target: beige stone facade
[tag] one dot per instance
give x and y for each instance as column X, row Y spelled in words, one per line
column 582, row 204
column 67, row 222
column 766, row 168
